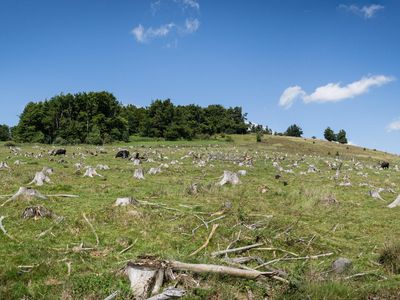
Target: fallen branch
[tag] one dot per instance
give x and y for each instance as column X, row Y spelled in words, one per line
column 240, row 249
column 94, row 231
column 293, row 258
column 63, row 195
column 169, row 293
column 277, row 249
column 5, row 231
column 42, row 234
column 112, row 296
column 365, row 274
column 127, row 248
column 146, row 275
column 214, row 228
column 206, row 223
column 217, row 269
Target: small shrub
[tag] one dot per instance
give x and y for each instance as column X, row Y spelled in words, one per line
column 390, row 258
column 10, row 144
column 229, row 139
column 259, row 137
column 60, row 141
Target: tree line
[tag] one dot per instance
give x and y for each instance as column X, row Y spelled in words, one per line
column 98, row 118
column 296, row 131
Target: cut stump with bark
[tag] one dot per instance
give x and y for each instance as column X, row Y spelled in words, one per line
column 25, row 193
column 229, row 177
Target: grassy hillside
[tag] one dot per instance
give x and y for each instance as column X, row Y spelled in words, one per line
column 300, row 214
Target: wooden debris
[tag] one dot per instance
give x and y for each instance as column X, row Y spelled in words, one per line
column 169, row 293
column 25, row 194
column 214, row 228
column 154, row 171
column 4, row 230
column 138, row 174
column 126, row 201
column 395, row 203
column 234, row 250
column 293, row 258
column 90, row 172
column 92, row 228
column 146, row 275
column 376, row 193
column 4, row 165
column 40, row 178
column 229, row 177
column 37, row 212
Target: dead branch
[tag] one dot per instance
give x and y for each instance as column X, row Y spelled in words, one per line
column 240, row 249
column 293, row 258
column 63, row 196
column 92, row 228
column 169, row 293
column 206, row 223
column 112, row 296
column 127, row 248
column 217, row 269
column 5, row 231
column 365, row 274
column 42, row 234
column 214, row 228
column 277, row 249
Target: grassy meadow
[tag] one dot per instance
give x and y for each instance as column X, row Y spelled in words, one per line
column 293, row 216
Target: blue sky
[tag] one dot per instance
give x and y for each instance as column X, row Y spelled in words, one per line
column 314, row 63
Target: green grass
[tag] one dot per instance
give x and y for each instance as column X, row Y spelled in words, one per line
column 358, row 227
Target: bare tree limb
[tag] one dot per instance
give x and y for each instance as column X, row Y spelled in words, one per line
column 5, row 231
column 215, row 226
column 293, row 258
column 240, row 249
column 92, row 228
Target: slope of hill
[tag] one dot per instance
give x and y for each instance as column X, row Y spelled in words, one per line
column 305, row 202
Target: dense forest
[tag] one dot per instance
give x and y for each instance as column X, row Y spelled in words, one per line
column 97, row 118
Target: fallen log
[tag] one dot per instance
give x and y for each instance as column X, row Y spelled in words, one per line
column 146, row 275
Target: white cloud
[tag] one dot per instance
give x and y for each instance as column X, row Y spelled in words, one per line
column 394, row 126
column 333, row 92
column 174, row 29
column 143, row 35
column 352, row 143
column 289, row 95
column 191, row 25
column 365, row 11
column 191, row 3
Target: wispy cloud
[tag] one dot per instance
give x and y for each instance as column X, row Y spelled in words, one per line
column 143, row 35
column 192, row 25
column 333, row 92
column 394, row 126
column 190, row 3
column 172, row 30
column 367, row 11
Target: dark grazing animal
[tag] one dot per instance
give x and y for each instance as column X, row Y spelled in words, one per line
column 122, row 154
column 385, row 165
column 58, row 152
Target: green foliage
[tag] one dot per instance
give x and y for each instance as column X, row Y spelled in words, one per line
column 390, row 258
column 341, row 137
column 98, row 118
column 294, row 130
column 259, row 136
column 5, row 133
column 329, row 135
column 72, row 118
column 10, row 144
